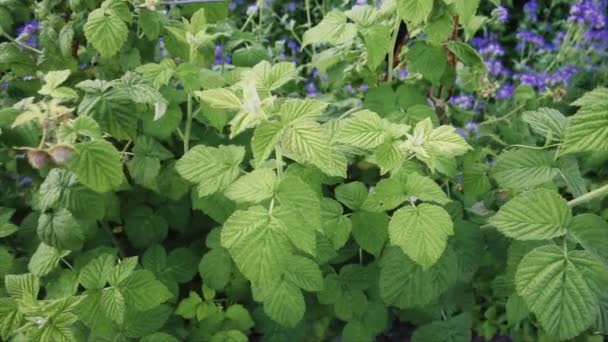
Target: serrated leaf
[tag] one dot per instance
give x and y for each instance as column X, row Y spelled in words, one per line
column 269, row 78
column 254, row 187
column 113, row 304
column 427, row 60
column 22, row 286
column 333, row 29
column 61, row 230
column 97, row 165
column 265, row 138
column 142, row 291
column 591, row 231
column 587, row 130
column 105, row 31
column 421, row 232
column 256, row 245
column 95, row 274
column 212, row 168
column 352, row 194
column 158, row 74
column 364, row 129
column 370, row 230
column 404, row 284
column 45, row 259
column 561, row 289
column 284, row 303
column 113, row 110
column 377, row 40
column 539, row 214
column 337, row 227
column 523, row 168
column 220, row 98
column 215, row 268
column 294, row 109
column 456, row 329
column 304, row 273
column 414, row 12
column 547, row 122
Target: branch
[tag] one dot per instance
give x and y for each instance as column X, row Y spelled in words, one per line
column 599, row 192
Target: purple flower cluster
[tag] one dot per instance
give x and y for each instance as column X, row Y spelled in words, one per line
column 220, row 58
column 589, row 12
column 531, row 10
column 27, row 33
column 464, row 101
column 543, row 79
column 501, row 14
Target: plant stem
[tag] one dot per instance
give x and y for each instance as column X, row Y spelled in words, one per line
column 25, row 46
column 279, row 159
column 308, row 19
column 391, row 52
column 599, row 192
column 188, row 125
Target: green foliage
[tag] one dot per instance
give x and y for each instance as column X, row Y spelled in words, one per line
column 158, row 191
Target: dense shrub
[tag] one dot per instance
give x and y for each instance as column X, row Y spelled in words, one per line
column 303, row 171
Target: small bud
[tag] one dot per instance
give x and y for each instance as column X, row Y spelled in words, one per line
column 37, row 158
column 61, row 154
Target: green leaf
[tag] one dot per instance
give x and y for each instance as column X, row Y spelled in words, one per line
column 6, row 227
column 45, row 259
column 11, row 317
column 404, row 284
column 159, row 337
column 428, row 60
column 591, row 232
column 265, row 138
column 305, row 273
column 456, row 329
column 336, row 227
column 94, row 275
column 273, row 77
column 294, row 109
column 105, row 31
column 61, row 230
column 144, row 227
column 239, row 317
column 571, row 174
column 466, row 9
column 547, row 122
column 539, row 214
column 97, row 165
column 421, row 232
column 468, row 56
column 212, row 168
column 220, row 99
column 377, row 40
column 142, row 291
column 414, row 12
column 561, row 289
column 22, row 286
column 158, row 74
column 293, row 193
column 364, row 129
column 284, row 303
column 113, row 304
column 524, row 168
column 587, row 130
column 352, row 194
column 423, row 188
column 69, row 131
column 254, row 187
column 439, row 29
column 387, row 194
column 215, row 268
column 333, row 29
column 113, row 110
column 256, row 244
column 370, row 230
column 229, row 336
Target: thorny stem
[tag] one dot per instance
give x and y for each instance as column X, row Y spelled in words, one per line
column 591, row 195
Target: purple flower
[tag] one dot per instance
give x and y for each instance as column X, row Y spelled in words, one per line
column 292, row 6
column 403, row 74
column 531, row 37
column 162, row 51
column 472, row 127
column 27, row 33
column 232, row 6
column 496, row 68
column 464, row 101
column 531, row 9
column 251, row 8
column 350, row 89
column 505, row 92
column 363, row 87
column 4, row 86
column 311, row 90
column 501, row 14
column 27, row 78
column 219, row 50
column 464, row 134
column 589, row 12
column 293, row 45
column 25, row 181
column 361, row 2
